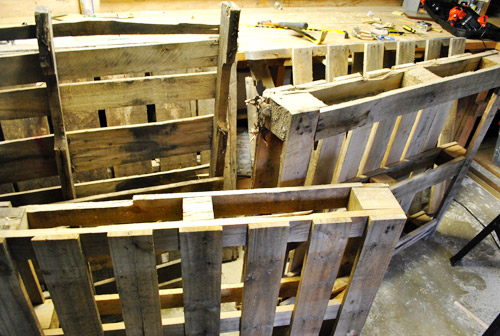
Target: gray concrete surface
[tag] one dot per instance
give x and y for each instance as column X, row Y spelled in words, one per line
column 421, row 292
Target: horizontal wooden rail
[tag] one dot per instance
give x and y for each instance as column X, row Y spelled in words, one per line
column 104, row 61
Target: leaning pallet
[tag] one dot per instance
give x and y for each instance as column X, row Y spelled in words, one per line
column 92, row 123
column 383, row 126
column 264, row 221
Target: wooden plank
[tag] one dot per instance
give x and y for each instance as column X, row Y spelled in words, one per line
column 431, row 140
column 230, row 161
column 252, row 117
column 159, row 57
column 427, row 179
column 336, row 61
column 457, row 46
column 23, row 103
column 264, row 259
column 134, row 267
column 201, row 253
column 421, row 130
column 66, row 276
column 36, row 153
column 326, row 245
column 302, row 71
column 432, row 49
column 16, row 312
column 50, row 73
column 124, row 144
column 380, row 239
column 329, row 152
column 405, row 52
column 355, row 147
column 228, row 45
column 27, row 64
column 266, row 167
column 137, row 91
column 300, row 121
column 373, row 58
column 380, row 142
column 261, row 74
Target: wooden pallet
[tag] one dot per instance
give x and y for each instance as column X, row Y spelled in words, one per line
column 138, row 112
column 264, row 221
column 384, row 126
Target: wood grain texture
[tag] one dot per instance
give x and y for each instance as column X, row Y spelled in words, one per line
column 134, row 267
column 354, row 154
column 371, row 263
column 337, row 62
column 137, row 91
column 432, row 49
column 380, row 142
column 264, row 259
column 329, row 152
column 36, row 153
column 17, row 316
column 326, row 245
column 457, row 46
column 405, row 52
column 50, row 74
column 373, row 57
column 98, row 62
column 302, row 70
column 201, row 254
column 124, row 144
column 66, row 276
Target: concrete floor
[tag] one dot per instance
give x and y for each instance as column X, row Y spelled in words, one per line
column 420, row 291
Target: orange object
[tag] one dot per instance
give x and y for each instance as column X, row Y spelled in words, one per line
column 482, row 20
column 456, row 13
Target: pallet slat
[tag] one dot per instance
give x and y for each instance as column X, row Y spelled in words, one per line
column 264, row 261
column 66, row 275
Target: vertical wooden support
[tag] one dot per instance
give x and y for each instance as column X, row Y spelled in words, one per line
column 373, row 57
column 302, row 66
column 134, row 267
column 328, row 153
column 67, row 278
column 353, row 149
column 432, row 49
column 252, row 116
column 49, row 69
column 266, row 167
column 382, row 137
column 482, row 128
column 201, row 254
column 457, row 46
column 405, row 52
column 264, row 260
column 327, row 240
column 16, row 312
column 300, row 115
column 228, row 37
column 230, row 163
column 337, row 63
column 379, row 240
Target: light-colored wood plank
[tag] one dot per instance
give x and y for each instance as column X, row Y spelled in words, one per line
column 329, row 152
column 380, row 142
column 421, row 131
column 405, row 52
column 337, row 62
column 355, row 148
column 125, row 144
column 66, row 276
column 252, row 116
column 134, row 267
column 457, row 46
column 432, row 49
column 201, row 253
column 230, row 162
column 50, row 73
column 326, row 246
column 302, row 70
column 380, row 239
column 261, row 74
column 16, row 312
column 264, row 259
column 197, row 208
column 401, row 137
column 373, row 58
column 301, row 113
column 431, row 140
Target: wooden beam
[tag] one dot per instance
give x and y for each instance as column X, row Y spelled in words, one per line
column 131, row 143
column 201, row 253
column 230, row 16
column 67, row 278
column 327, row 242
column 134, row 267
column 17, row 316
column 264, row 259
column 49, row 69
column 302, row 66
column 337, row 62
